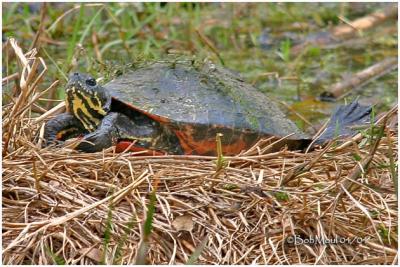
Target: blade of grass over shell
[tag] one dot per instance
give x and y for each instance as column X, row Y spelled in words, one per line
column 220, row 157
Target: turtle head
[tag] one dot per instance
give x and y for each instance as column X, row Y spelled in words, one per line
column 86, row 100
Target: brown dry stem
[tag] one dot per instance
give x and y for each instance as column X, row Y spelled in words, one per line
column 248, row 215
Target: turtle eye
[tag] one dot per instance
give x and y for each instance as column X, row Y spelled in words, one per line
column 91, row 82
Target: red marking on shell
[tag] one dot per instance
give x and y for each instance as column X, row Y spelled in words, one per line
column 123, row 145
column 189, row 145
column 207, row 146
column 59, row 136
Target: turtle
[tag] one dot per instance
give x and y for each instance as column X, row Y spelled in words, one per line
column 178, row 108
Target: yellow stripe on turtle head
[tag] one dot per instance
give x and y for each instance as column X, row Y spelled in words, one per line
column 97, row 107
column 81, row 112
column 87, row 107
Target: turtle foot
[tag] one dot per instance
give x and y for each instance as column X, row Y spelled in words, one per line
column 344, row 120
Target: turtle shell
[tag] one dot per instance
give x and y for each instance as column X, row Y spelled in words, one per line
column 197, row 102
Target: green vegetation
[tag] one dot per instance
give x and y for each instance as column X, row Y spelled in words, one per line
column 197, row 252
column 107, row 234
column 56, row 259
column 281, row 196
column 147, row 226
column 98, row 38
column 221, row 162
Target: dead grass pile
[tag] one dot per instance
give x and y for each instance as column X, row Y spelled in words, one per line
column 62, row 206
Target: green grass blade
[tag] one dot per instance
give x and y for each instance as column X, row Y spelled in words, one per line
column 147, row 228
column 72, row 43
column 89, row 26
column 11, row 12
column 57, row 259
column 107, row 234
column 148, row 224
column 55, row 64
column 197, row 252
column 117, row 256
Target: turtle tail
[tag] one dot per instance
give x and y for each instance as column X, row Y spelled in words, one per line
column 344, row 120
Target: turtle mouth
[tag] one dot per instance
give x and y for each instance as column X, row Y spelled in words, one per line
column 85, row 105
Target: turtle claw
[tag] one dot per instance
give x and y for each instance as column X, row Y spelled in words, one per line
column 52, row 143
column 96, row 141
column 105, row 136
column 351, row 113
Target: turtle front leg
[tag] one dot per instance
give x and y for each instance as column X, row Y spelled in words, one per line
column 62, row 127
column 105, row 136
column 115, row 127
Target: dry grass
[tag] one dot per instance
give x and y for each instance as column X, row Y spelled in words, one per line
column 62, row 206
